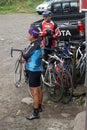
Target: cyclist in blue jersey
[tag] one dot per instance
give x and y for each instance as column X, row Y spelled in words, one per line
column 33, row 62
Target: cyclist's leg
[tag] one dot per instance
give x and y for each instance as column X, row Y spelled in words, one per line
column 40, row 98
column 34, row 83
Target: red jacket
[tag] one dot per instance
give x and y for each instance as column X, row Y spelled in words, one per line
column 52, row 28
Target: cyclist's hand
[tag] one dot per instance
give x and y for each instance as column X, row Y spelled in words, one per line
column 22, row 59
column 55, row 36
column 49, row 32
column 24, row 50
column 42, row 33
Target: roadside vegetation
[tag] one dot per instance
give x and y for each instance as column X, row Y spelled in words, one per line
column 18, row 6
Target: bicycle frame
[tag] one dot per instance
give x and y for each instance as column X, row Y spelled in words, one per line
column 81, row 57
column 47, row 70
column 60, row 61
column 61, row 69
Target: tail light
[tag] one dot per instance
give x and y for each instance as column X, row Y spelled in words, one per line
column 81, row 28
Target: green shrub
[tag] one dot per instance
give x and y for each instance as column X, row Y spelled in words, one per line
column 18, row 6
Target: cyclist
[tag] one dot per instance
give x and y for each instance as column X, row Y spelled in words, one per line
column 49, row 32
column 33, row 62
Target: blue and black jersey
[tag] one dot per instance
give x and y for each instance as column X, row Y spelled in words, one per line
column 33, row 56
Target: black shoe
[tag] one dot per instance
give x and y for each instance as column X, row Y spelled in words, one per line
column 32, row 116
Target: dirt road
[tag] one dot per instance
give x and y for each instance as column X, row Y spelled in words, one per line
column 13, row 33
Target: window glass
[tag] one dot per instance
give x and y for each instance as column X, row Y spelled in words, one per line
column 73, row 4
column 74, row 7
column 57, row 8
column 66, row 7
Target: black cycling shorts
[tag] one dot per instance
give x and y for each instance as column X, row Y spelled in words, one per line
column 34, row 78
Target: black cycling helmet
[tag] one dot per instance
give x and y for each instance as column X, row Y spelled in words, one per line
column 47, row 13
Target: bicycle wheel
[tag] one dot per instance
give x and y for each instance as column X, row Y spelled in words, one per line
column 55, row 91
column 68, row 87
column 18, row 73
column 81, row 72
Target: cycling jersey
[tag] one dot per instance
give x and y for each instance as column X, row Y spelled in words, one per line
column 49, row 26
column 53, row 29
column 33, row 56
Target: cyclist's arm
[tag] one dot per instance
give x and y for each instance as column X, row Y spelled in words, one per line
column 29, row 51
column 56, row 31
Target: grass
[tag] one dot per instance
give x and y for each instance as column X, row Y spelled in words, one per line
column 27, row 6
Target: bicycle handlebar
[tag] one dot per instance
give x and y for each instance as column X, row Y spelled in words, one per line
column 56, row 57
column 12, row 49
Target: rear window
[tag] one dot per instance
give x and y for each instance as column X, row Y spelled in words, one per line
column 65, row 7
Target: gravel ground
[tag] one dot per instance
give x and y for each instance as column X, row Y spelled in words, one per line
column 13, row 33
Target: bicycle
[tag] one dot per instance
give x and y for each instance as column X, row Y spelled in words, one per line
column 52, row 81
column 62, row 67
column 80, row 61
column 20, row 73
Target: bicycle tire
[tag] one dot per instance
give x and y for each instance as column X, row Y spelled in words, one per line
column 68, row 87
column 55, row 92
column 18, row 73
column 81, row 72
